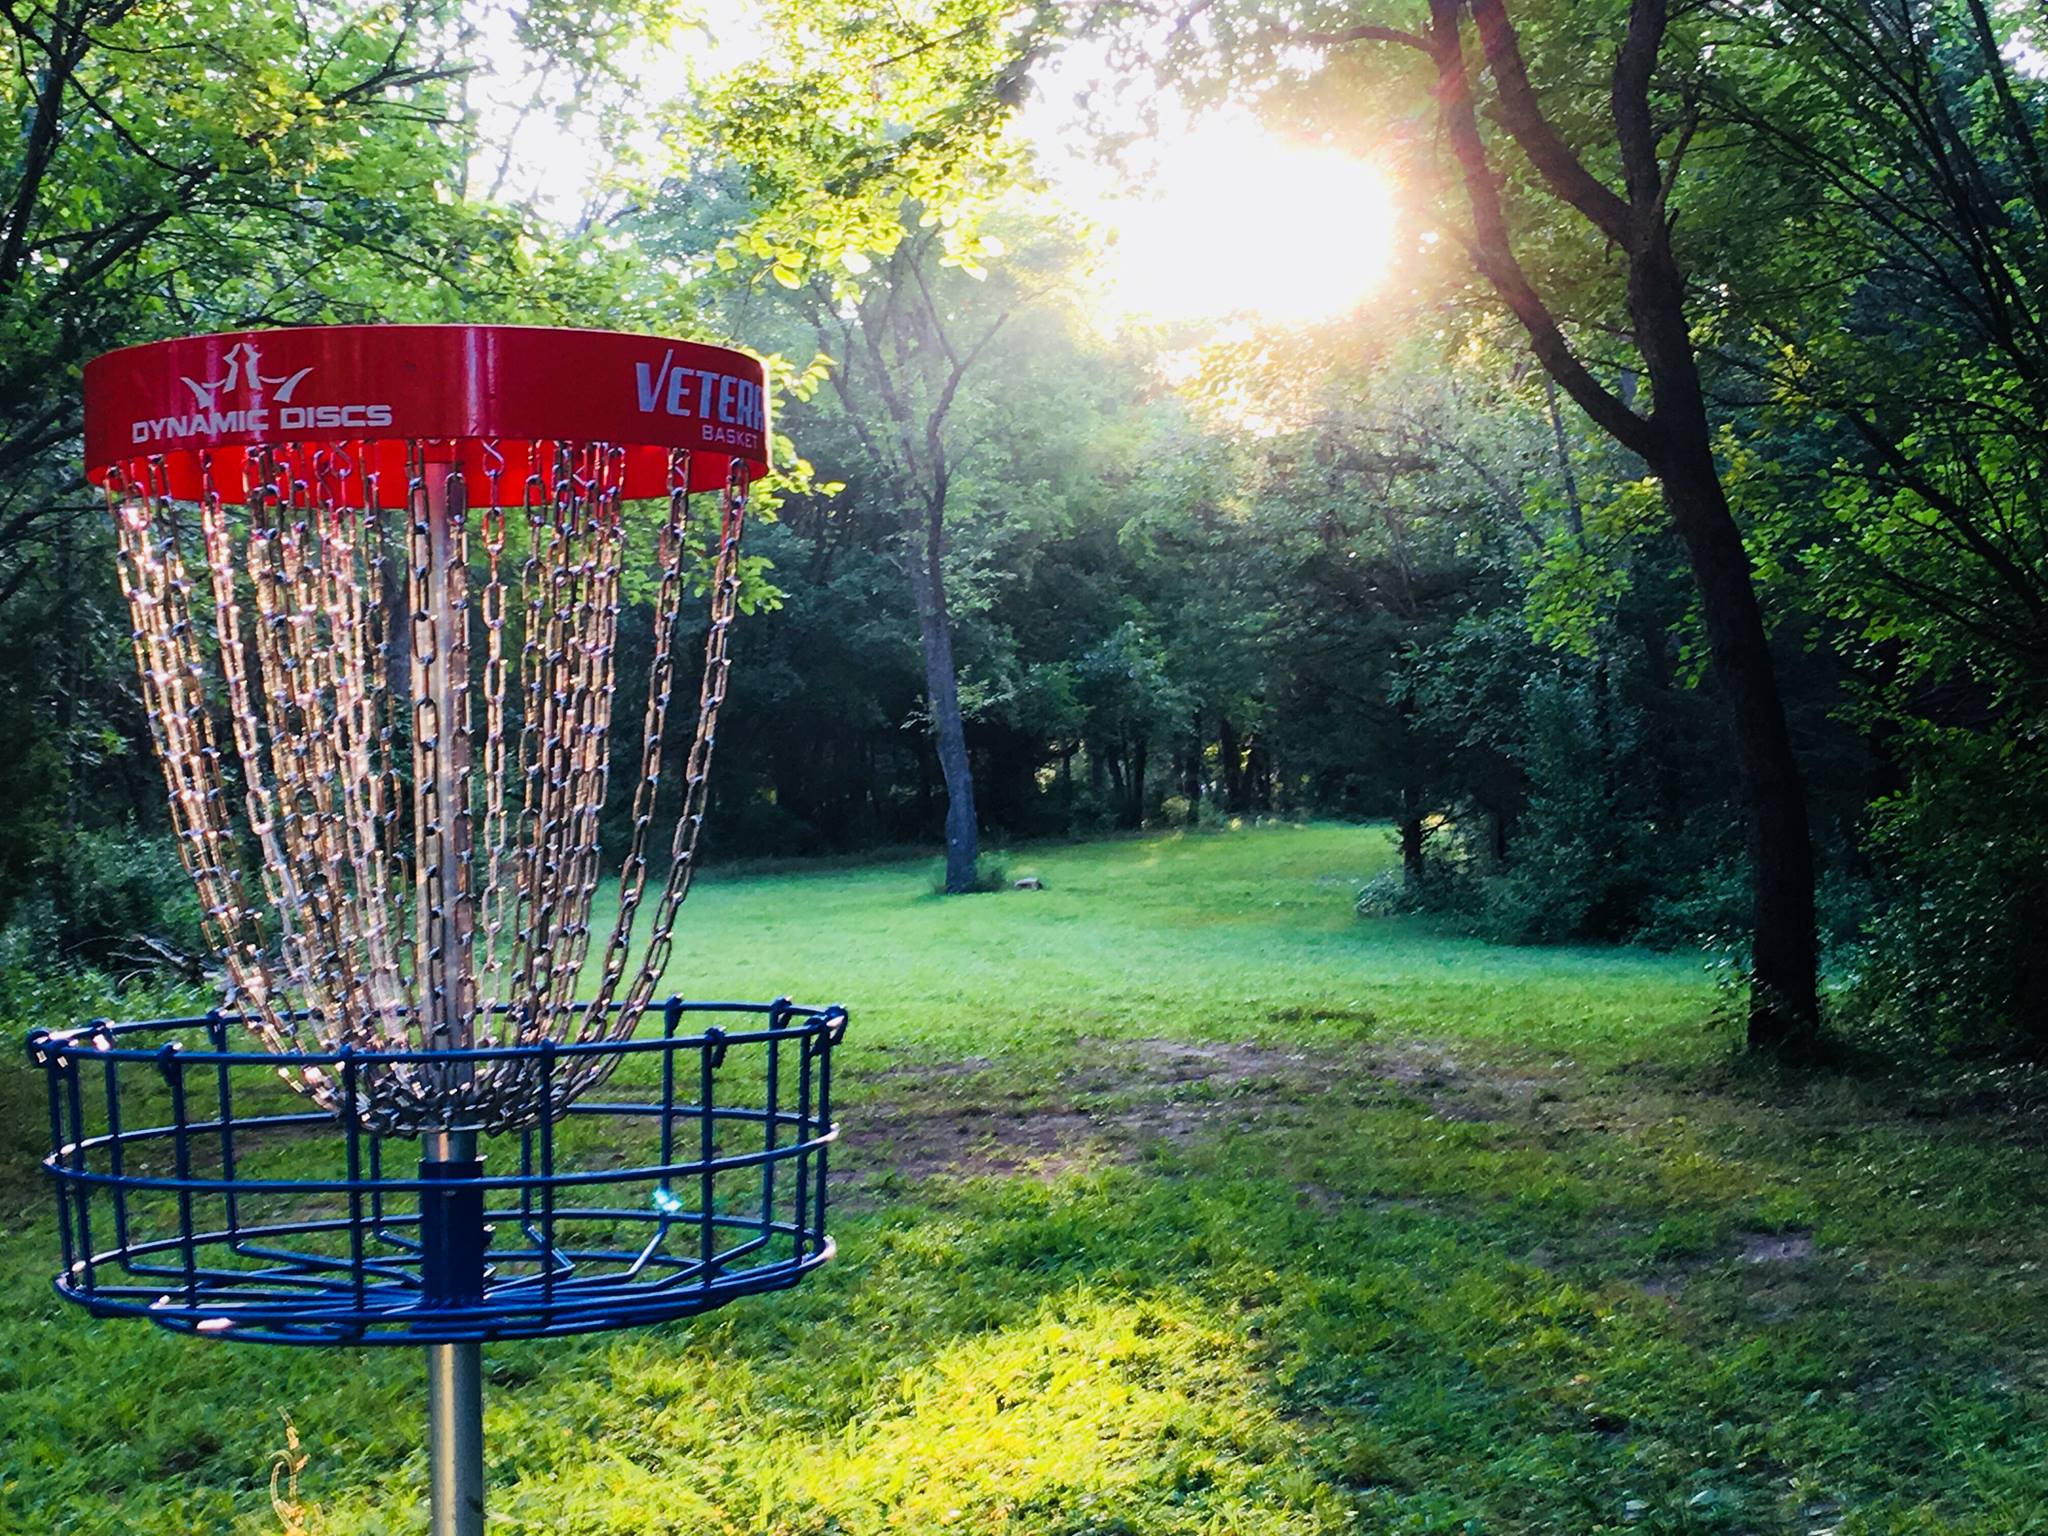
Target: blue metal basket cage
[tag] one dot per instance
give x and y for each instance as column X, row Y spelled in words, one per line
column 196, row 1189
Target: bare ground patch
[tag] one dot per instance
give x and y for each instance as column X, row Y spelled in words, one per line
column 964, row 1118
column 1763, row 1255
column 1464, row 1089
column 910, row 1142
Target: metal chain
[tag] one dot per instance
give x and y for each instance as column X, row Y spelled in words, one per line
column 393, row 916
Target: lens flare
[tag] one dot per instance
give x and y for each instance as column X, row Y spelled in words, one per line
column 1238, row 222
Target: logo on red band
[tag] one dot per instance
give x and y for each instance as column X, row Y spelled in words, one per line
column 733, row 411
column 246, row 400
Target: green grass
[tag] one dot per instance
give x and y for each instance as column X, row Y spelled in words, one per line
column 1449, row 1238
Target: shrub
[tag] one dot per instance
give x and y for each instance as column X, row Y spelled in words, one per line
column 1706, row 908
column 991, row 873
column 1955, row 953
column 1387, row 894
column 111, row 887
column 37, row 987
column 1089, row 815
column 756, row 827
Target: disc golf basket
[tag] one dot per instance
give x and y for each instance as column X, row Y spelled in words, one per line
column 377, row 576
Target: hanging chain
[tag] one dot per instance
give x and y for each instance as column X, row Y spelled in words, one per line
column 354, row 673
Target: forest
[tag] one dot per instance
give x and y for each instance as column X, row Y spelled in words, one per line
column 1659, row 546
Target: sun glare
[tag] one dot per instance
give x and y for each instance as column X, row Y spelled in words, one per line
column 1236, row 221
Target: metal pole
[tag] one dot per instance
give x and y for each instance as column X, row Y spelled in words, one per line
column 455, row 1439
column 455, row 1382
column 452, row 1224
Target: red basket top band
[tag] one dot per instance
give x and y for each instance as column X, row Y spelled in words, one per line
column 482, row 394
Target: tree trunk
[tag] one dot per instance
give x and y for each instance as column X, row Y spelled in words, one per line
column 1232, row 761
column 1784, row 999
column 1411, row 837
column 1134, row 815
column 1784, row 1003
column 1676, row 441
column 942, row 693
column 1496, row 841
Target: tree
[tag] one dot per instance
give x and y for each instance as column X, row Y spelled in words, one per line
column 902, row 357
column 1918, row 147
column 1651, row 115
column 206, row 166
column 1901, row 480
column 869, row 152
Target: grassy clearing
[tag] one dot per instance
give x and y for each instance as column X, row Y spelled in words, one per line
column 1181, row 1201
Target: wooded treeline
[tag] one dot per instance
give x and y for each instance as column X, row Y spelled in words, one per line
column 1664, row 551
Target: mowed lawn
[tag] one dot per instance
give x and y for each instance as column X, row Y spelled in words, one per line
column 1177, row 1199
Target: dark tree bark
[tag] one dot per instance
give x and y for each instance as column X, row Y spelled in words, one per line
column 1231, row 755
column 1784, row 1001
column 1411, row 837
column 942, row 693
column 1496, row 839
column 1674, row 440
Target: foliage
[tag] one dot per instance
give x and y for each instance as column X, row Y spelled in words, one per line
column 41, row 987
column 848, row 117
column 1955, row 954
column 1388, row 894
column 1376, row 568
column 196, row 167
column 114, row 887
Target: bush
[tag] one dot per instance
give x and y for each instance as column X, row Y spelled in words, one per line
column 1090, row 815
column 756, row 827
column 1583, row 861
column 1588, row 857
column 1955, row 954
column 1387, row 894
column 37, row 988
column 1708, row 908
column 111, row 887
column 991, row 873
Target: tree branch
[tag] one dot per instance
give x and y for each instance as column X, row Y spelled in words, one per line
column 1547, row 151
column 1635, row 130
column 1345, row 36
column 1493, row 252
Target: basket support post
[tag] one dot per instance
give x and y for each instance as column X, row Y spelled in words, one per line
column 452, row 1274
column 452, row 1234
column 455, row 1439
